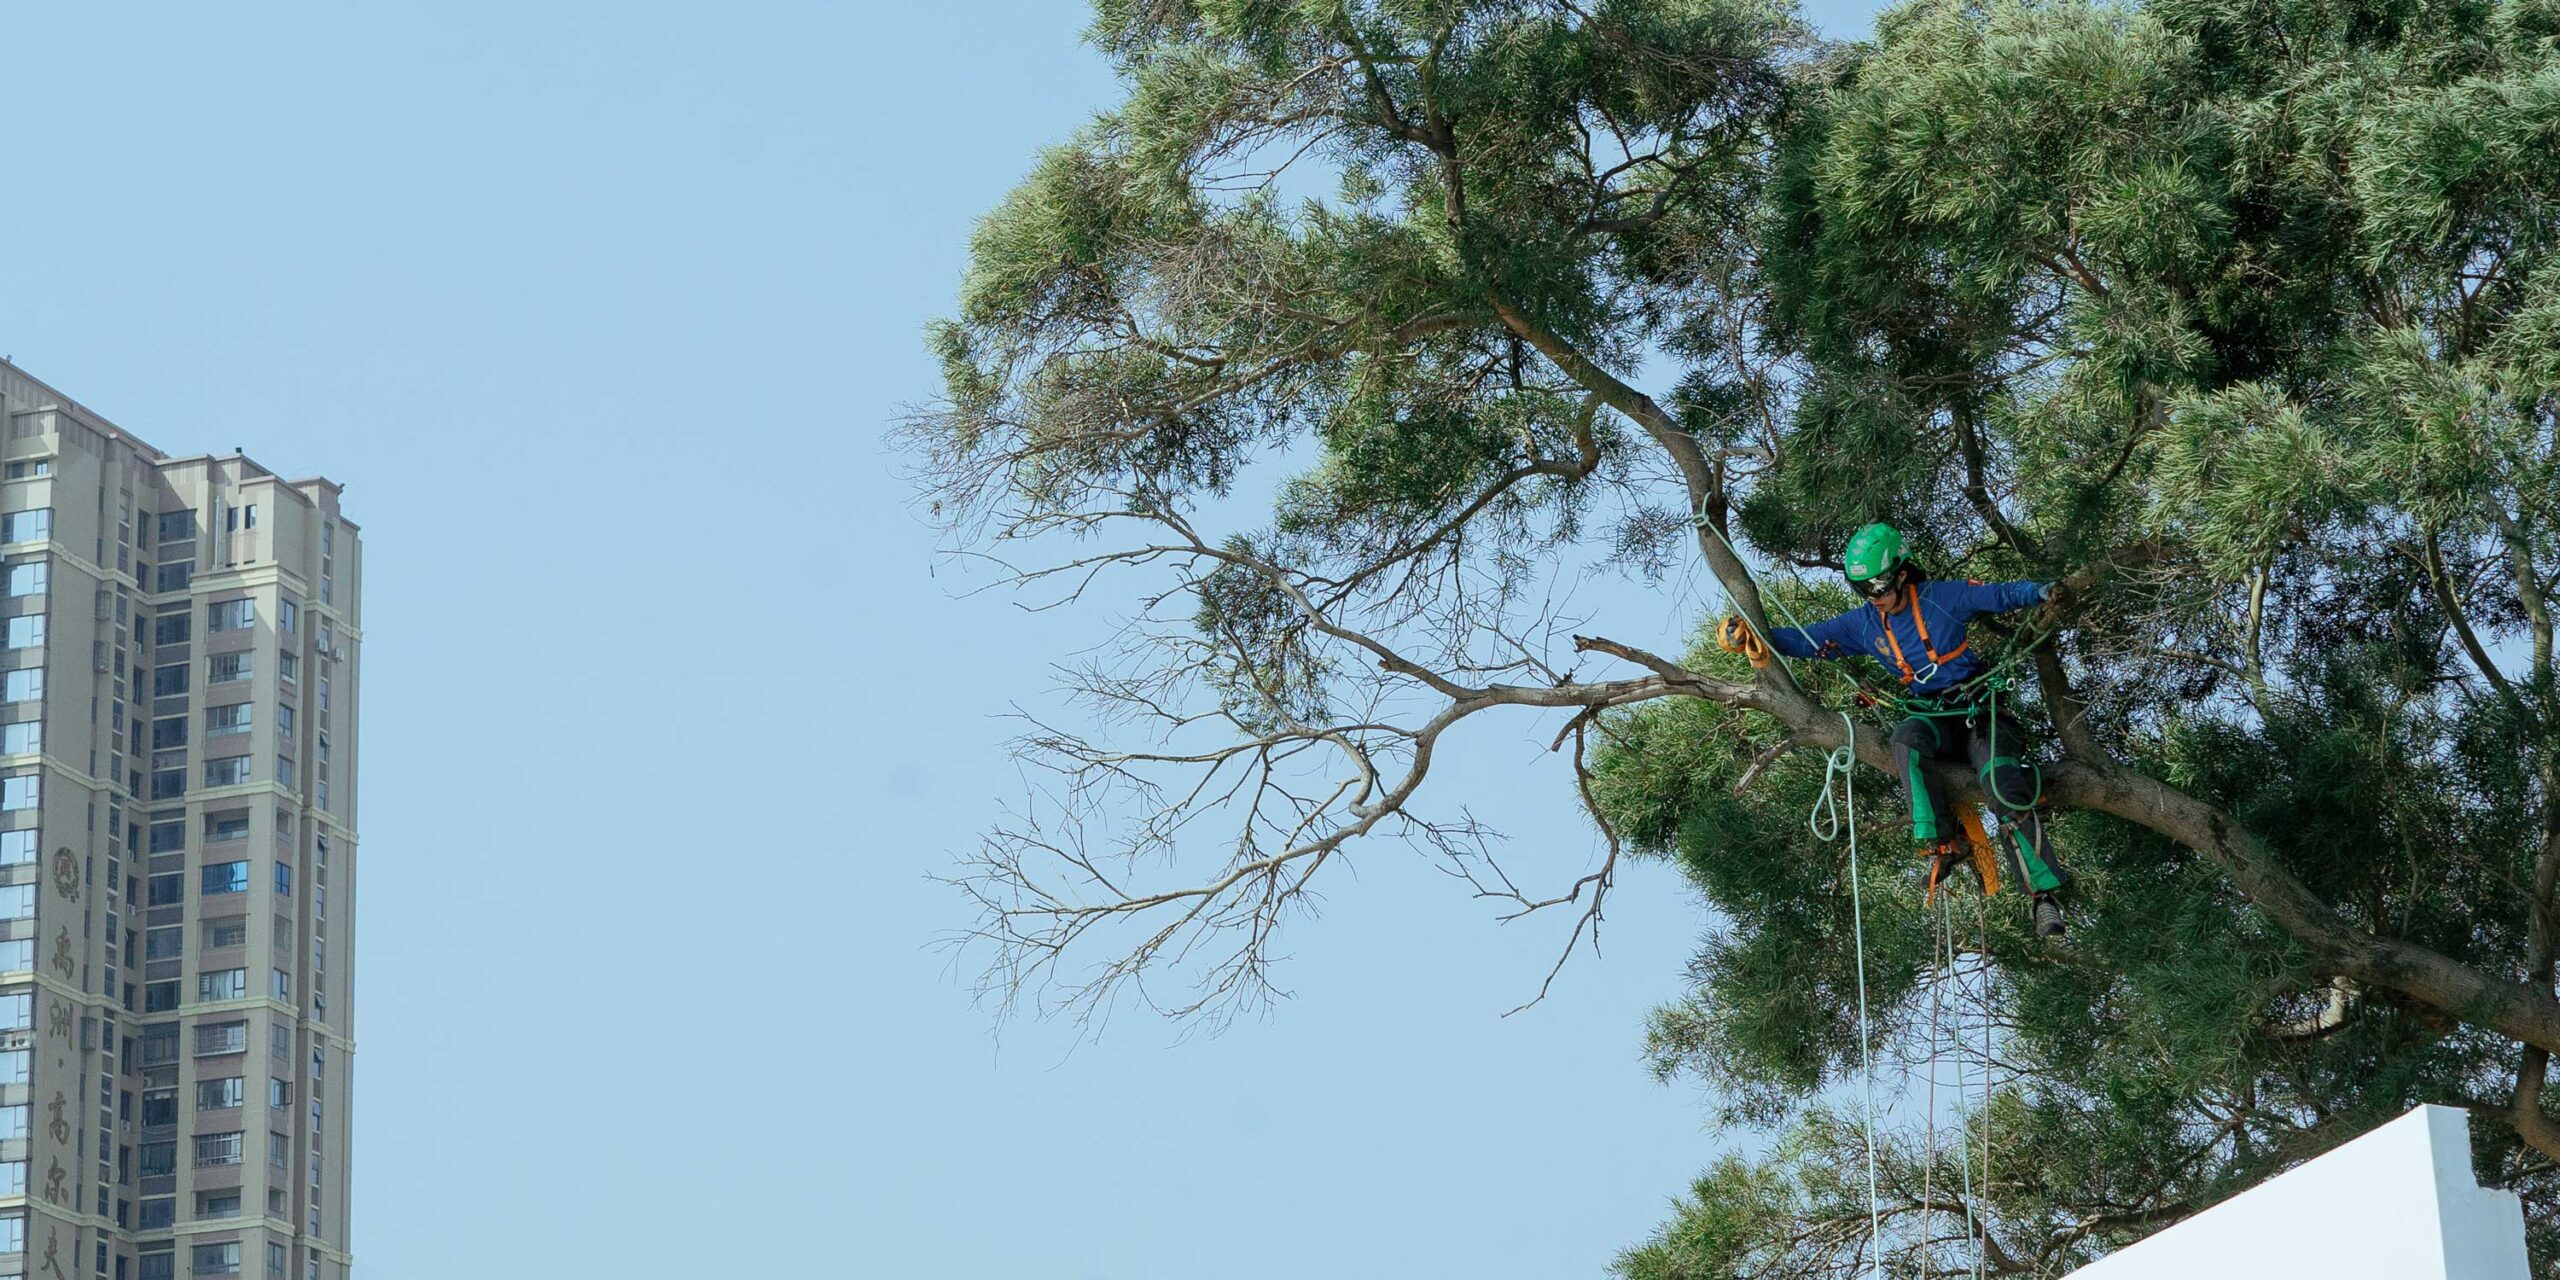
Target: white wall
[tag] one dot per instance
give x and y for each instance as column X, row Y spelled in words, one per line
column 2398, row 1203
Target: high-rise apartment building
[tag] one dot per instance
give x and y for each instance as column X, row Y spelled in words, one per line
column 177, row 856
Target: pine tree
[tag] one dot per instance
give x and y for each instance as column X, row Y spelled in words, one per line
column 2239, row 317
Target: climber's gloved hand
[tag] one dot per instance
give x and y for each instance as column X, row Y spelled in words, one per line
column 1734, row 635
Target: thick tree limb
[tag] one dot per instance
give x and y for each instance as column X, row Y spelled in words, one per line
column 2514, row 1009
column 1697, row 474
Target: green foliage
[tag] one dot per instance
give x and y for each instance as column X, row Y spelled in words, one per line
column 2259, row 289
column 2242, row 313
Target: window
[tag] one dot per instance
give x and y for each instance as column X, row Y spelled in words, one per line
column 216, row 1095
column 17, row 901
column 168, row 888
column 227, row 667
column 231, row 615
column 168, row 784
column 158, row 1211
column 176, row 525
column 160, row 1107
column 287, row 612
column 28, row 579
column 171, row 628
column 279, row 1092
column 284, row 770
column 284, row 719
column 18, row 956
column 226, row 877
column 21, row 738
column 169, row 681
column 27, row 526
column 18, row 1012
column 220, row 722
column 218, row 1259
column 280, row 1040
column 283, row 985
column 17, row 848
column 222, row 984
column 13, row 1178
column 229, row 931
column 215, row 1038
column 231, row 824
column 13, row 1123
column 168, row 732
column 275, row 1252
column 159, row 1159
column 160, row 997
column 324, row 695
column 26, row 631
column 173, row 576
column 164, row 942
column 22, row 792
column 227, row 772
column 13, row 1065
column 13, row 1234
column 284, row 879
column 24, row 685
column 219, row 1148
column 288, row 667
column 218, row 1204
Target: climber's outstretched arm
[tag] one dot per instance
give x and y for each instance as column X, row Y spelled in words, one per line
column 1834, row 638
column 1971, row 598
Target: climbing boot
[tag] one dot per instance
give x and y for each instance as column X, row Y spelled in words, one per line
column 2048, row 916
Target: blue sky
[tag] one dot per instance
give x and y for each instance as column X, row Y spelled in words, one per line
column 599, row 312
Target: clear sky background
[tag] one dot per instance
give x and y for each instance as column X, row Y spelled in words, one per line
column 599, row 311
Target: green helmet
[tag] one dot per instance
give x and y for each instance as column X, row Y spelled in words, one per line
column 1873, row 552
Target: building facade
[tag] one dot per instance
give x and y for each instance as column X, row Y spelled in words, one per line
column 177, row 856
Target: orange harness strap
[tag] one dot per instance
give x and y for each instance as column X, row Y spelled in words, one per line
column 1908, row 675
column 1923, row 624
column 1894, row 643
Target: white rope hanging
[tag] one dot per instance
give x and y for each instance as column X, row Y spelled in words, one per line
column 1827, row 821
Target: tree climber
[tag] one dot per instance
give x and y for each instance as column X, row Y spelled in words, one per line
column 1916, row 628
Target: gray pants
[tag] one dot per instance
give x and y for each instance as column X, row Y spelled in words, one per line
column 1996, row 749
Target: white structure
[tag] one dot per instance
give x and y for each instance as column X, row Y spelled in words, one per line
column 2399, row 1203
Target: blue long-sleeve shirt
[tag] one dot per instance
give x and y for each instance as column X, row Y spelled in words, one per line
column 1918, row 635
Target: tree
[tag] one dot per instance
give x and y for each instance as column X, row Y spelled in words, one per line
column 2239, row 316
